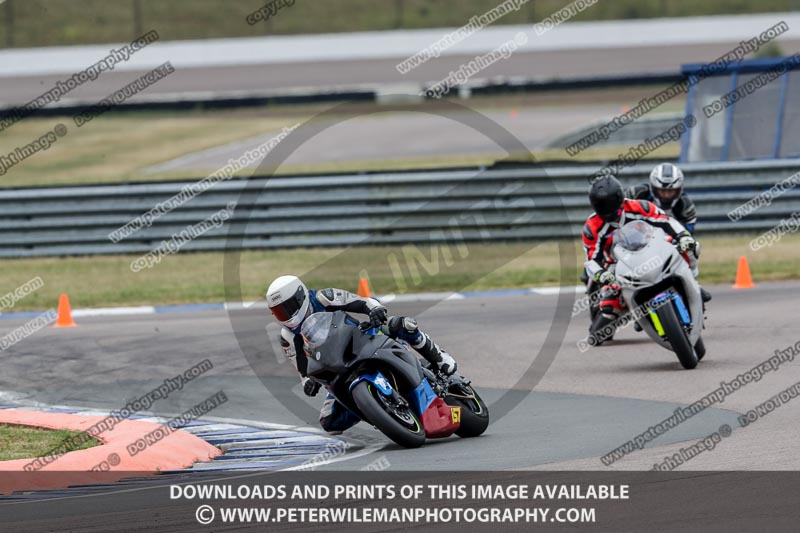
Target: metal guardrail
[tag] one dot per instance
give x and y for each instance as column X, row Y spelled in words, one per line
column 382, row 208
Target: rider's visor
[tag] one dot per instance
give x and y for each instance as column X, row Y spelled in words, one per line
column 288, row 308
column 667, row 195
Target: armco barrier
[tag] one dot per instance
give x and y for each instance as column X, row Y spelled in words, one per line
column 387, row 208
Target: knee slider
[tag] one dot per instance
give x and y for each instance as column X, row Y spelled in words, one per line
column 328, row 423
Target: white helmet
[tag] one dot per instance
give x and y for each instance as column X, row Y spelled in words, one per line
column 287, row 298
column 666, row 185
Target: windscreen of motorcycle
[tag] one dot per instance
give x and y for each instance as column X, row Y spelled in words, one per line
column 634, row 235
column 315, row 329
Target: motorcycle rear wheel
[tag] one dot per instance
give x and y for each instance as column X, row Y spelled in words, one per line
column 599, row 329
column 676, row 336
column 474, row 412
column 407, row 431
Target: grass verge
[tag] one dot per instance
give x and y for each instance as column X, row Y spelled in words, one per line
column 198, row 278
column 112, row 149
column 24, row 442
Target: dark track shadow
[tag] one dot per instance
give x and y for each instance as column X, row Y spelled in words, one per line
column 626, row 342
column 652, row 366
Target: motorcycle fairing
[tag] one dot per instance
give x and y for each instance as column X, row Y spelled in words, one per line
column 682, row 311
column 421, row 397
column 377, row 379
column 440, row 419
column 636, row 280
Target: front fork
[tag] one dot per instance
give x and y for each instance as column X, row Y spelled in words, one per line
column 388, row 393
column 669, row 298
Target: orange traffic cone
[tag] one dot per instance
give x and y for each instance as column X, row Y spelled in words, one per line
column 363, row 288
column 64, row 319
column 743, row 278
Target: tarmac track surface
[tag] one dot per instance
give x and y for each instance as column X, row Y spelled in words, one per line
column 394, row 136
column 278, row 77
column 586, row 405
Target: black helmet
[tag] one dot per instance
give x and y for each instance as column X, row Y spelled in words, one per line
column 606, row 197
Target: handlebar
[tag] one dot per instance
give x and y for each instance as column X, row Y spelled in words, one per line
column 367, row 325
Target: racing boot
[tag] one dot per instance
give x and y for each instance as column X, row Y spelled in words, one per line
column 705, row 295
column 436, row 356
column 611, row 307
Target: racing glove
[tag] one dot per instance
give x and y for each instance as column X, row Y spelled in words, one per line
column 687, row 243
column 604, row 277
column 378, row 316
column 310, row 387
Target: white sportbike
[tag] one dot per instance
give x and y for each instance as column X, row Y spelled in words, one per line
column 660, row 289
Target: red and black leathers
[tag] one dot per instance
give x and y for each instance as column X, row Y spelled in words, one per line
column 597, row 233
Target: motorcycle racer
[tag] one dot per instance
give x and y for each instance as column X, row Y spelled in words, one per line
column 665, row 189
column 611, row 211
column 291, row 302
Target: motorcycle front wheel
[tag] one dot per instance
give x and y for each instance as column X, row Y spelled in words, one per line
column 398, row 423
column 677, row 337
column 700, row 348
